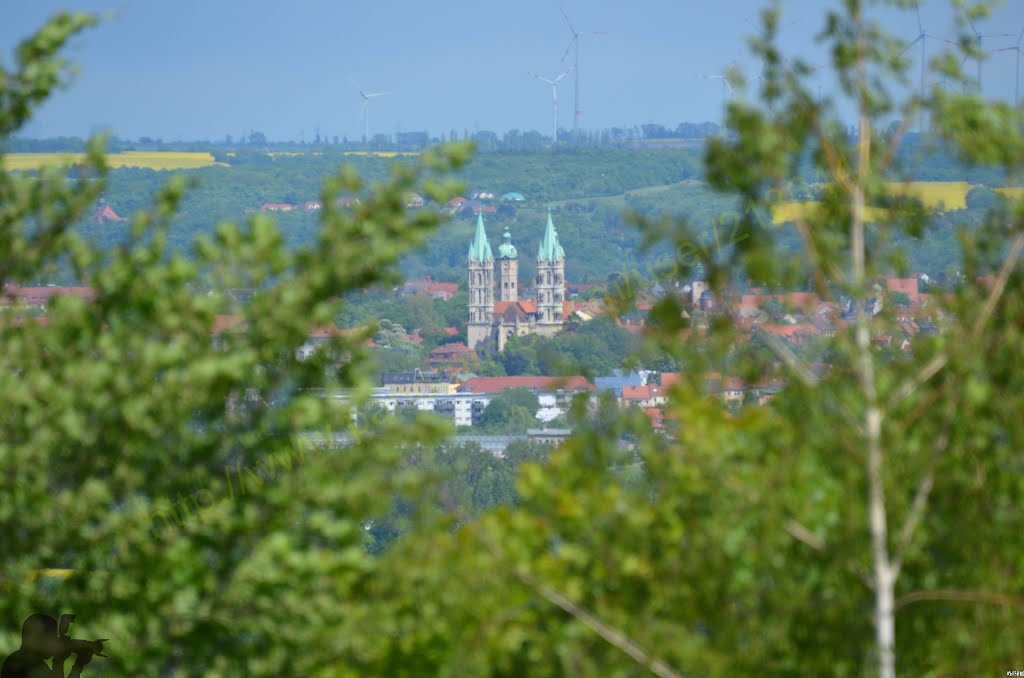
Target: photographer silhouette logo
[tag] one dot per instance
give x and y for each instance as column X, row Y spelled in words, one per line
column 43, row 638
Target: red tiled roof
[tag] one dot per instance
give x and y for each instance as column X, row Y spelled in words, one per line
column 644, row 392
column 499, row 384
column 908, row 286
column 636, row 392
column 789, row 331
column 525, row 305
column 325, row 331
column 428, row 287
column 223, row 323
column 801, row 300
column 105, row 214
column 41, row 295
column 451, row 331
column 734, row 384
column 452, row 350
column 447, row 289
column 657, row 417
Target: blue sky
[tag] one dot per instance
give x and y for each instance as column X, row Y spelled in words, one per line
column 203, row 69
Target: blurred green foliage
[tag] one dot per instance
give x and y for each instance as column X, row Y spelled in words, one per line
column 739, row 543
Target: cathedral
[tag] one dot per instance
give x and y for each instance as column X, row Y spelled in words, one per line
column 492, row 322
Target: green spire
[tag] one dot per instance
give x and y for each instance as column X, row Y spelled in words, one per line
column 480, row 250
column 550, row 250
column 506, row 250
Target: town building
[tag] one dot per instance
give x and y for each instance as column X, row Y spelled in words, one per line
column 493, row 322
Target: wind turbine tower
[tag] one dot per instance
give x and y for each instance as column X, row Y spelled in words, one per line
column 727, row 90
column 977, row 39
column 1016, row 86
column 554, row 101
column 366, row 110
column 922, row 37
column 574, row 45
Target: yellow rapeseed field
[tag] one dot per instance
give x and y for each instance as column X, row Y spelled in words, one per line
column 157, row 160
column 791, row 211
column 1012, row 192
column 937, row 195
column 382, row 154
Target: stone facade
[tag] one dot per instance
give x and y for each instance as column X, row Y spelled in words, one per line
column 492, row 324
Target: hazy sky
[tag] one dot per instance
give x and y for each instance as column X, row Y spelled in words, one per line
column 203, row 69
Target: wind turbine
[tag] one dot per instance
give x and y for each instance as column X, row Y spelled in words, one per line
column 1015, row 48
column 922, row 37
column 977, row 39
column 366, row 109
column 763, row 34
column 726, row 87
column 727, row 90
column 574, row 45
column 554, row 101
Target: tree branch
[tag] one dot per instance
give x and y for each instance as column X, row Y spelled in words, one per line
column 924, row 489
column 998, row 287
column 995, row 294
column 792, row 361
column 955, row 596
column 611, row 635
column 802, row 534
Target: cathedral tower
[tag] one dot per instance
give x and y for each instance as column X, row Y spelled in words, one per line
column 508, row 269
column 550, row 281
column 481, row 287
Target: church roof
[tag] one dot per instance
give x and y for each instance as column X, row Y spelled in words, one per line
column 550, row 250
column 480, row 249
column 524, row 306
column 506, row 250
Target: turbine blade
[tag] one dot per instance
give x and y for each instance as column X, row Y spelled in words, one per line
column 917, row 8
column 566, row 52
column 916, row 40
column 568, row 21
